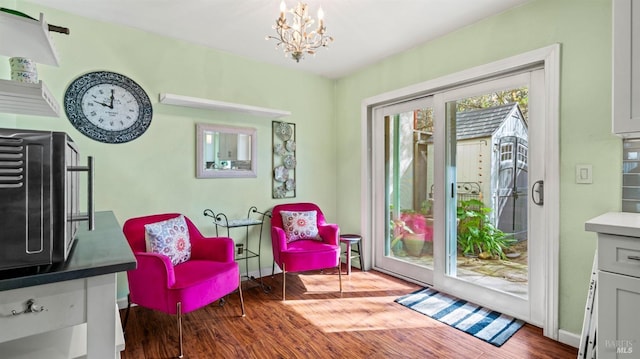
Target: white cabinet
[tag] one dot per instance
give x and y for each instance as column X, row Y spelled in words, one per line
column 23, row 37
column 618, row 284
column 228, row 149
column 73, row 312
column 626, row 68
column 58, row 305
column 618, row 318
column 73, row 319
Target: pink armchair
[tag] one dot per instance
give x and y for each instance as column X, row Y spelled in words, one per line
column 210, row 274
column 304, row 254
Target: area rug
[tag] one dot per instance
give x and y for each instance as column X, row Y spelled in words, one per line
column 490, row 326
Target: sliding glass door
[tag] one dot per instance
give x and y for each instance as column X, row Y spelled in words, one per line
column 405, row 161
column 492, row 253
column 452, row 177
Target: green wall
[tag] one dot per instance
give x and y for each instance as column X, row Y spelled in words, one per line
column 583, row 28
column 156, row 173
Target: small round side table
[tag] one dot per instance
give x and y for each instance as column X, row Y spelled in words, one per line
column 349, row 240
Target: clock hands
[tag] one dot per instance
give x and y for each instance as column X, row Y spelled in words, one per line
column 110, row 105
column 102, row 103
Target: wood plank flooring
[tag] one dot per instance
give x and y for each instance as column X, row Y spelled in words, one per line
column 317, row 321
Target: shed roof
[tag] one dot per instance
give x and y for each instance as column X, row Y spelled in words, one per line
column 483, row 122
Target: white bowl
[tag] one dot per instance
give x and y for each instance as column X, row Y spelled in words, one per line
column 25, row 76
column 22, row 64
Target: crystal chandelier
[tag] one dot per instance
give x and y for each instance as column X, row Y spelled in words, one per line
column 294, row 36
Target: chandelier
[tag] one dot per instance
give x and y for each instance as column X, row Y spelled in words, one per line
column 296, row 36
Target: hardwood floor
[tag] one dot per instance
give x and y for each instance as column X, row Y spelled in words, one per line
column 317, row 321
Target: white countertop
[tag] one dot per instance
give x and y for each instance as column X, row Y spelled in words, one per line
column 618, row 223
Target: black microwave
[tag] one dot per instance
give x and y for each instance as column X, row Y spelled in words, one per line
column 39, row 197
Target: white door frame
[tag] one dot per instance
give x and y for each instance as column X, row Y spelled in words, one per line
column 547, row 58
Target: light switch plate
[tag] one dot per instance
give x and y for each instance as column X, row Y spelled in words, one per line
column 584, row 174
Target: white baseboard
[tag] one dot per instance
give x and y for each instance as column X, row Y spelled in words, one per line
column 569, row 338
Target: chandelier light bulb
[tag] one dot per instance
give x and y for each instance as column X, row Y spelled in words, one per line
column 320, row 21
column 283, row 9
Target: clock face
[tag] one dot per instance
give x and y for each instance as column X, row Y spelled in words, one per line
column 108, row 107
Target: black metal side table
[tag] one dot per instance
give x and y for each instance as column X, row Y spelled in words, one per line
column 243, row 252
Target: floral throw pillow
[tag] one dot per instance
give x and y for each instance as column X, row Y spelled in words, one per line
column 170, row 238
column 300, row 225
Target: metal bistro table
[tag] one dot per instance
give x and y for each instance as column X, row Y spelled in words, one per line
column 242, row 248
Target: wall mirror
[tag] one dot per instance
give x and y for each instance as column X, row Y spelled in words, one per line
column 225, row 151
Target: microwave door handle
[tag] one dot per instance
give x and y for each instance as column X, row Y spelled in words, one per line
column 91, row 212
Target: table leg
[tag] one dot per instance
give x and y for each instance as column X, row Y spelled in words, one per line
column 101, row 309
column 348, row 255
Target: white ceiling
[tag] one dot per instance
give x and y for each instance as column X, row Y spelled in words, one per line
column 364, row 31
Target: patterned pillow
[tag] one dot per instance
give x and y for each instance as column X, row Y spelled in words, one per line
column 300, row 225
column 171, row 238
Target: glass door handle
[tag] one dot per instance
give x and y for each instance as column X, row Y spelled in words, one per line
column 538, row 187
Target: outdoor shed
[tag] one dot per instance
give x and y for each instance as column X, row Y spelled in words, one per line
column 492, row 163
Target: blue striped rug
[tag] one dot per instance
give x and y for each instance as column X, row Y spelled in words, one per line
column 482, row 323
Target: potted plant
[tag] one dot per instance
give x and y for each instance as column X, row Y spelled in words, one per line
column 476, row 235
column 413, row 230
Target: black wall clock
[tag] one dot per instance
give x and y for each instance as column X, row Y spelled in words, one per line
column 108, row 107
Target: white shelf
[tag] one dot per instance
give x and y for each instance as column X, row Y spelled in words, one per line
column 27, row 99
column 195, row 102
column 24, row 37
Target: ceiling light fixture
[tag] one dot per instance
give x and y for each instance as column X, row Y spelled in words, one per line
column 294, row 36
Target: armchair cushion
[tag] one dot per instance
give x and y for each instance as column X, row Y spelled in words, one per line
column 300, row 225
column 170, row 238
